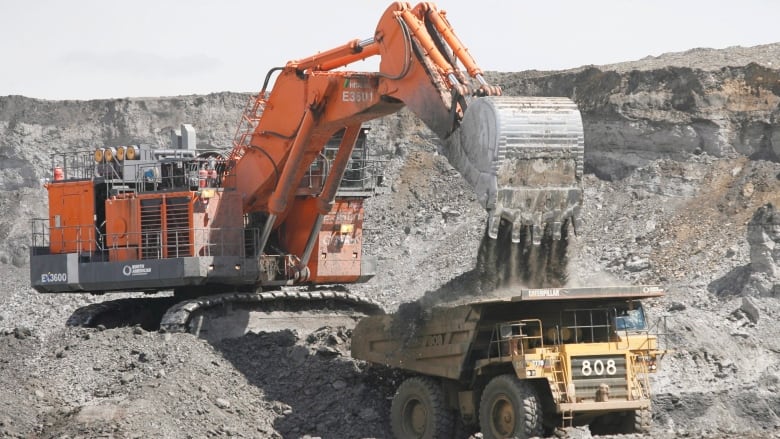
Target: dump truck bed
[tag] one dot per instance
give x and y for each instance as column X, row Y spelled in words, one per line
column 447, row 341
column 609, row 292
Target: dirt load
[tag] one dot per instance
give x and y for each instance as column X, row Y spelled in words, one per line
column 681, row 151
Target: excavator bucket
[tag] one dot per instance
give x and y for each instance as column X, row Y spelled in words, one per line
column 524, row 158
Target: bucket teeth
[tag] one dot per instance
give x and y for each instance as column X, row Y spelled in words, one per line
column 517, row 227
column 576, row 223
column 494, row 221
column 556, row 230
column 536, row 235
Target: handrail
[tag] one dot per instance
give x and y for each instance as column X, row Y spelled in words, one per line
column 181, row 242
column 512, row 335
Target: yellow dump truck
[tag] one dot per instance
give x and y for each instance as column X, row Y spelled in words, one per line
column 521, row 365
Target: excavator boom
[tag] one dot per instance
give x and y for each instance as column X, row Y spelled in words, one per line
column 523, row 156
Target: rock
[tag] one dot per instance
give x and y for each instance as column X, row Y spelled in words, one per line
column 127, row 378
column 368, row 414
column 339, row 384
column 748, row 189
column 573, row 433
column 449, row 214
column 635, row 264
column 137, row 330
column 764, row 238
column 750, row 309
column 229, row 431
column 298, row 354
column 677, row 306
column 328, row 352
column 21, row 332
column 222, row 403
column 20, row 260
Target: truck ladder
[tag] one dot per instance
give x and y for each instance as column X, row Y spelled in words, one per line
column 640, row 382
column 558, row 387
column 567, row 418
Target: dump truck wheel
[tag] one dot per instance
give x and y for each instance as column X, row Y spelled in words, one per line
column 419, row 410
column 635, row 421
column 639, row 421
column 510, row 408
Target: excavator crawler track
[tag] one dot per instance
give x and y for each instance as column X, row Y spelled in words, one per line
column 229, row 314
column 287, row 306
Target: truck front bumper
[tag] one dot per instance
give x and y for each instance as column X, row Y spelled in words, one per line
column 606, row 406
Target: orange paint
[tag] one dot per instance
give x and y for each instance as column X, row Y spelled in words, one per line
column 71, row 217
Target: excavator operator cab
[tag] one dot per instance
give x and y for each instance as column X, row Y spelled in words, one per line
column 362, row 174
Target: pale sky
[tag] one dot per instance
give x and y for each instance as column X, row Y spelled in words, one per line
column 90, row 49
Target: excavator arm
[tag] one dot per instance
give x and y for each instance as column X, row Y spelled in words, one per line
column 311, row 100
column 284, row 130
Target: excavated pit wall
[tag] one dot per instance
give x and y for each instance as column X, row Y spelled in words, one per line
column 724, row 104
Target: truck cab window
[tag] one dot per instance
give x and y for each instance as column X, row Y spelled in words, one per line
column 630, row 317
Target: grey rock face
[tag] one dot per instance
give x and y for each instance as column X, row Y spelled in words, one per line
column 764, row 239
column 632, row 117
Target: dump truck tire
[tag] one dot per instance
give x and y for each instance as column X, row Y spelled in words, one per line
column 634, row 421
column 510, row 408
column 419, row 410
column 639, row 421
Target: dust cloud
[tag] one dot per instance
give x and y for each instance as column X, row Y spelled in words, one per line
column 502, row 268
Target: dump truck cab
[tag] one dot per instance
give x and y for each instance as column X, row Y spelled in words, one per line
column 522, row 364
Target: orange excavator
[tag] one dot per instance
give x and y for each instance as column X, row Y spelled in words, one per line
column 284, row 206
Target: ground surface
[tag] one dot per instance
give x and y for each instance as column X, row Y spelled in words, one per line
column 678, row 224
